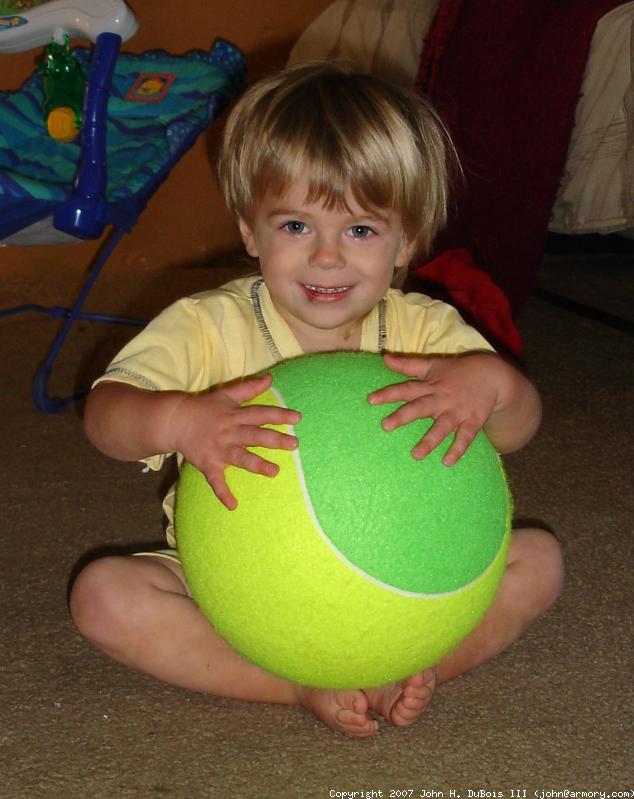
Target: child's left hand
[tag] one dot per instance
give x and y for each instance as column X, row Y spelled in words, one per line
column 459, row 392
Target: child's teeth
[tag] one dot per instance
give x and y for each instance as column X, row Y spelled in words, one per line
column 338, row 290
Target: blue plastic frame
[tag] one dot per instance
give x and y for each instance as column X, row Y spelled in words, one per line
column 85, row 216
column 86, row 213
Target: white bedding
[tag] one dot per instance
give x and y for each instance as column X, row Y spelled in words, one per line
column 596, row 194
column 597, row 189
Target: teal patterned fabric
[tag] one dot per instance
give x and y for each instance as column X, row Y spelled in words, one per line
column 144, row 138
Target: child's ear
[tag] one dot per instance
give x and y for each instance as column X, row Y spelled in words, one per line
column 405, row 254
column 248, row 238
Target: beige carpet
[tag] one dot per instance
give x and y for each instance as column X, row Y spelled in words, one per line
column 552, row 714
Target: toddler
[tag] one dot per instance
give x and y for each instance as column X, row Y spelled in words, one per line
column 336, row 180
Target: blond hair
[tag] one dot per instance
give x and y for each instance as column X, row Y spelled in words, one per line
column 348, row 133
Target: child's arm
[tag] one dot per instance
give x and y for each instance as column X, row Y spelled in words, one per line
column 211, row 430
column 464, row 394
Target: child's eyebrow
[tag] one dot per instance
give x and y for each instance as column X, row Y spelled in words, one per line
column 362, row 215
column 373, row 215
column 286, row 212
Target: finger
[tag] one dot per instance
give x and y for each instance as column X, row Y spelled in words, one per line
column 437, row 433
column 221, row 490
column 244, row 459
column 462, row 440
column 422, row 408
column 399, row 392
column 265, row 437
column 259, row 415
column 410, row 365
column 246, row 390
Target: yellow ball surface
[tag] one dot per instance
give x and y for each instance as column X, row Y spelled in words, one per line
column 356, row 565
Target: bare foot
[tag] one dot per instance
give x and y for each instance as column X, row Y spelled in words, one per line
column 404, row 702
column 342, row 711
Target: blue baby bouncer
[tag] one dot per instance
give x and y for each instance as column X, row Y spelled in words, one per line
column 140, row 114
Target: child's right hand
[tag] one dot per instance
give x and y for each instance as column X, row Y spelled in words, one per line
column 214, row 431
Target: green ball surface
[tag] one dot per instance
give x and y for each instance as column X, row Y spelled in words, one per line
column 356, row 565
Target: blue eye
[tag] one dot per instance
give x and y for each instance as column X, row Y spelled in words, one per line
column 360, row 231
column 295, row 226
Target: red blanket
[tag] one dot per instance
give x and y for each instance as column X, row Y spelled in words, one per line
column 505, row 76
column 454, row 278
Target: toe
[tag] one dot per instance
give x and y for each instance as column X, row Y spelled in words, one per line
column 353, row 717
column 416, row 695
column 342, row 711
column 358, row 726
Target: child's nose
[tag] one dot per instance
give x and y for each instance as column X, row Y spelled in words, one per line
column 327, row 253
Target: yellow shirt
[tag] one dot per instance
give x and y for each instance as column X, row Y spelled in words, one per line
column 235, row 331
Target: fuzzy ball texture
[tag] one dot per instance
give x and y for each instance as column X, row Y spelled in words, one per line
column 356, row 565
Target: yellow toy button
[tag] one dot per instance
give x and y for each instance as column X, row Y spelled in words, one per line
column 61, row 124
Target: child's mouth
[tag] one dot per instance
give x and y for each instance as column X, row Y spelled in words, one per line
column 326, row 293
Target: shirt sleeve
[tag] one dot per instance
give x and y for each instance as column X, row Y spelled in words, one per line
column 418, row 324
column 168, row 355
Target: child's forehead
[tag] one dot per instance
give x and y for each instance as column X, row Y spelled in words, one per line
column 307, row 195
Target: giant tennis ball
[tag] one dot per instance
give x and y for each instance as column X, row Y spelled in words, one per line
column 356, row 565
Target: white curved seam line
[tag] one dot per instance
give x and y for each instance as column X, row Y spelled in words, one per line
column 339, row 554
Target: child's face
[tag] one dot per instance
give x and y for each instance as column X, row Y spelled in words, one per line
column 325, row 268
